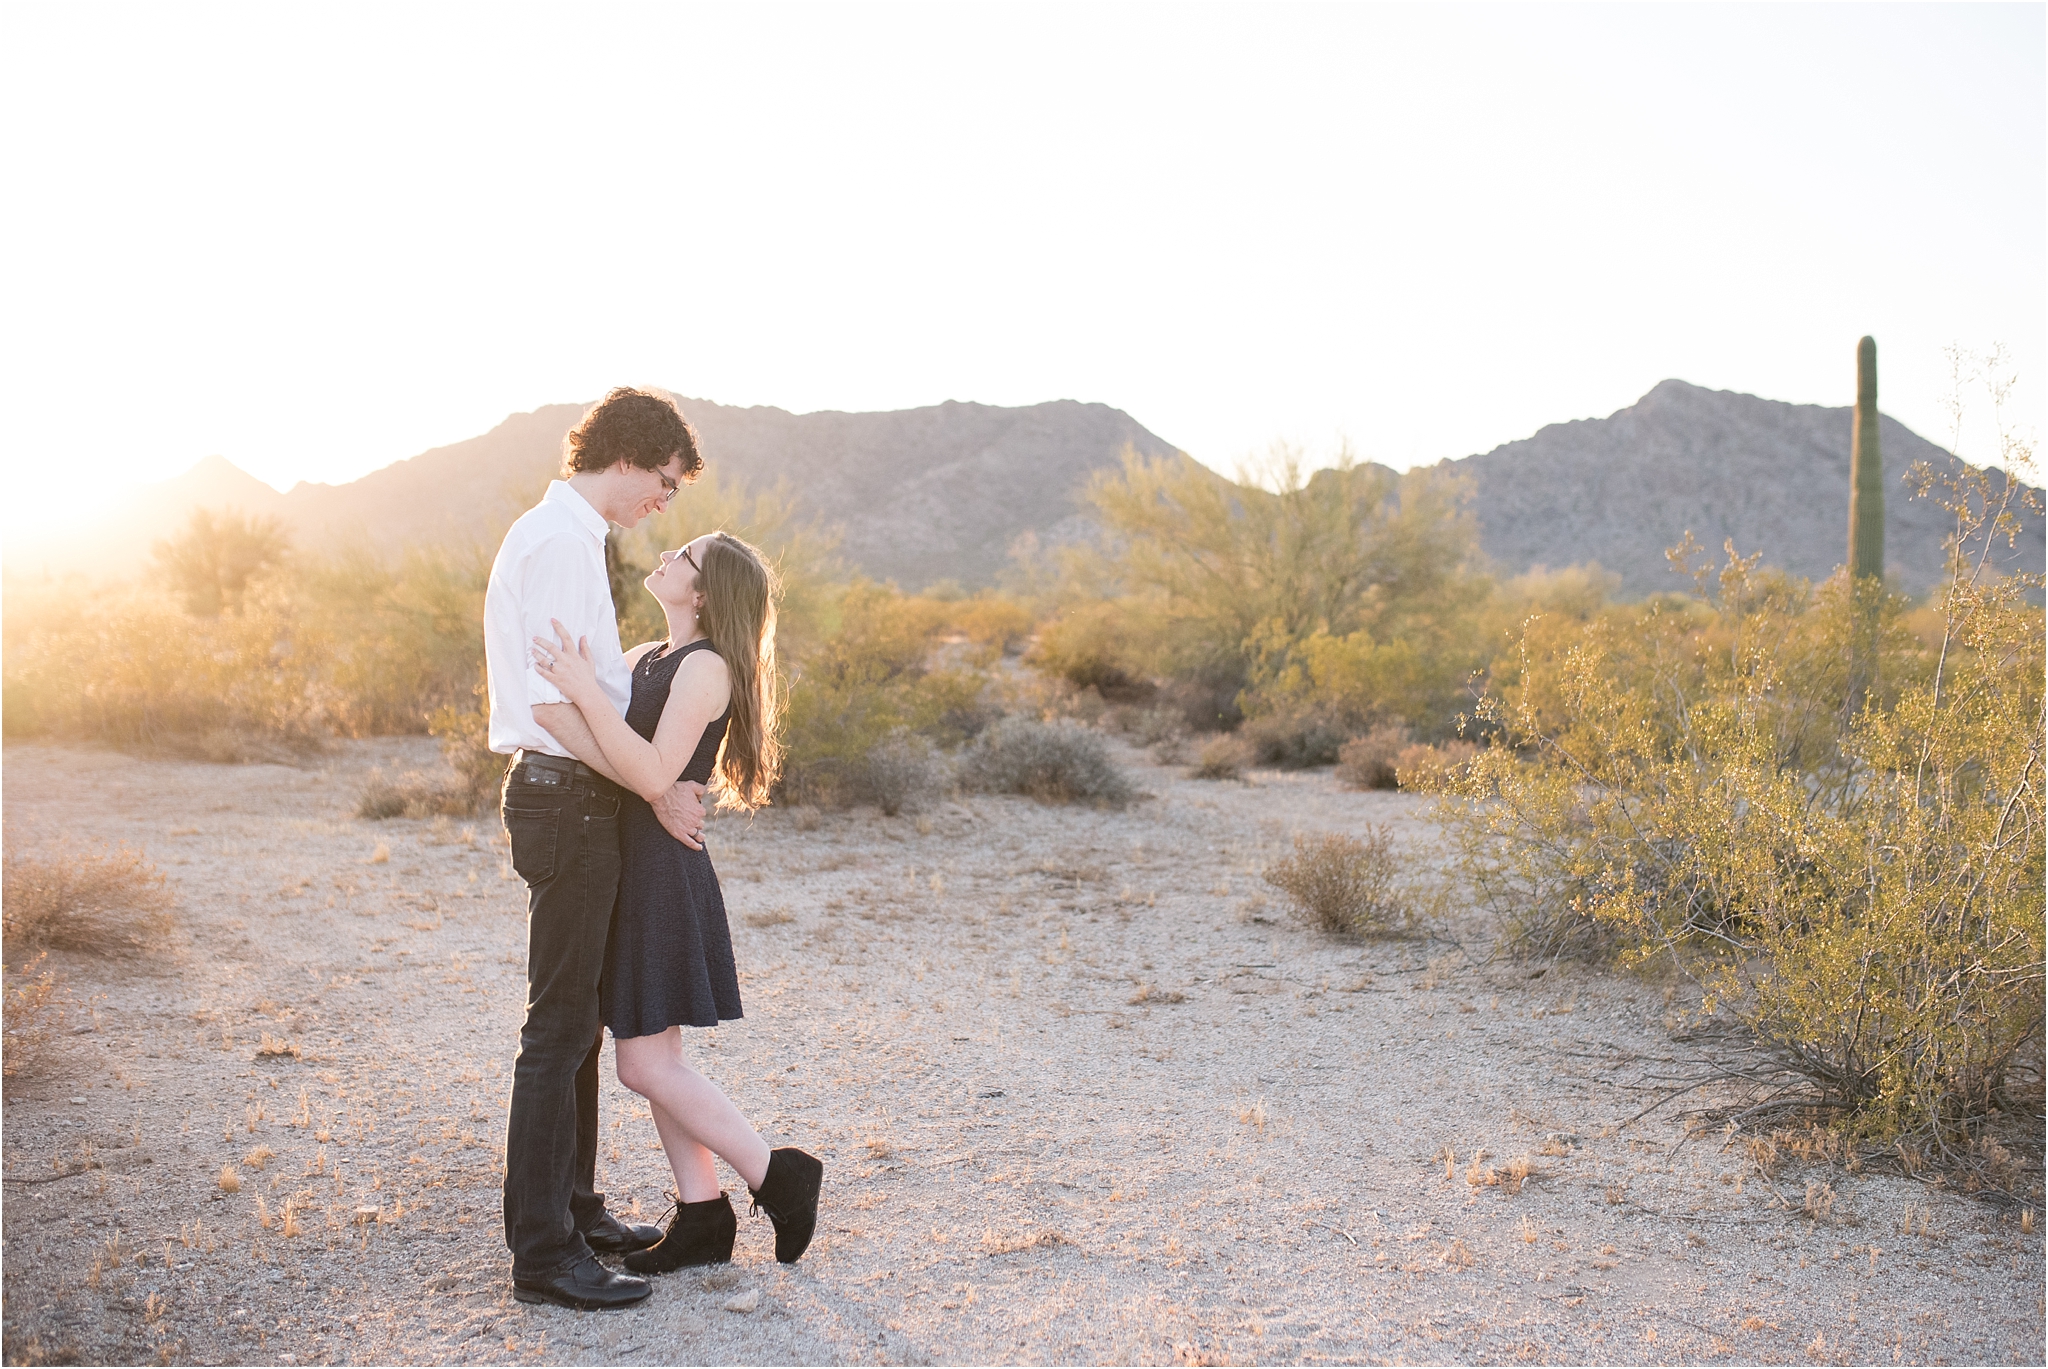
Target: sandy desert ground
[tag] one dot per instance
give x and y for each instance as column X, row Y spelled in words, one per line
column 1083, row 1092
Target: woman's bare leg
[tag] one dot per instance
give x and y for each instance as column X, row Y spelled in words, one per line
column 695, row 1168
column 690, row 1109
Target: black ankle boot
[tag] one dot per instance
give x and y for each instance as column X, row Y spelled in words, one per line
column 698, row 1233
column 789, row 1195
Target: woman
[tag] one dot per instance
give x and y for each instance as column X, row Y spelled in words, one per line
column 670, row 961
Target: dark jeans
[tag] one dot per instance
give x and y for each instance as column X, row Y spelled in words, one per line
column 565, row 845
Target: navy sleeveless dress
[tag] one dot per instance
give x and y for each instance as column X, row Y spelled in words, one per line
column 670, row 959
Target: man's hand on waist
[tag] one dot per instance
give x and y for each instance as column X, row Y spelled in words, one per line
column 681, row 813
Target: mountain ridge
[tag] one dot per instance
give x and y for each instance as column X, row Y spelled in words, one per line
column 942, row 492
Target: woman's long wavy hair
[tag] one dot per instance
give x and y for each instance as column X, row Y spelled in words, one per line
column 738, row 616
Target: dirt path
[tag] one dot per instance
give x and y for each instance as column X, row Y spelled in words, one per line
column 1083, row 1095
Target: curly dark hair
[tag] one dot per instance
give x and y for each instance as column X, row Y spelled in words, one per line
column 631, row 425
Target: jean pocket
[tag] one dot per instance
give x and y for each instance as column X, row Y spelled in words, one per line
column 601, row 807
column 534, row 833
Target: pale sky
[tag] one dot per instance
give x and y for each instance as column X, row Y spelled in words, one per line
column 316, row 240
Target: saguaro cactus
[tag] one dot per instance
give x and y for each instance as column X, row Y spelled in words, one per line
column 1866, row 472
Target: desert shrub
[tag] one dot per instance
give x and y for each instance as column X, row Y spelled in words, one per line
column 465, row 737
column 1171, row 750
column 1430, row 769
column 349, row 645
column 1143, row 726
column 35, row 1001
column 100, row 902
column 1834, row 828
column 866, row 681
column 1089, row 645
column 1296, row 738
column 1343, row 884
column 1342, row 597
column 1052, row 762
column 401, row 637
column 992, row 620
column 1367, row 762
column 804, row 553
column 413, row 795
column 131, row 668
column 217, row 554
column 904, row 773
column 1224, row 757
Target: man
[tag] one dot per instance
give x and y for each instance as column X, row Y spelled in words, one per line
column 624, row 461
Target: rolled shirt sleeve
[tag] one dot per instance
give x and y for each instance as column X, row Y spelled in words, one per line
column 548, row 592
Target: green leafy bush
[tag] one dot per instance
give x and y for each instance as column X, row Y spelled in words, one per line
column 1323, row 603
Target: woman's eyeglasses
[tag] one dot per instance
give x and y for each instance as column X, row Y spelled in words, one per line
column 691, row 559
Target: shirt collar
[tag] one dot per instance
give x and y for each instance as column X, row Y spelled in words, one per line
column 563, row 493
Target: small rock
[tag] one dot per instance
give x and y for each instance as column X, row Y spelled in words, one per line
column 81, row 1031
column 744, row 1302
column 78, row 1100
column 1563, row 1138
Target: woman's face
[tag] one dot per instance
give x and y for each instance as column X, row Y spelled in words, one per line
column 674, row 581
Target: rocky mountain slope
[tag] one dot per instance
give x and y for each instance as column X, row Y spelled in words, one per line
column 1772, row 476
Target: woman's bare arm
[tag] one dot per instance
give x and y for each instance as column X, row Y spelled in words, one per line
column 699, row 693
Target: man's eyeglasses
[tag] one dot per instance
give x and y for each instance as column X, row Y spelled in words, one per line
column 668, row 488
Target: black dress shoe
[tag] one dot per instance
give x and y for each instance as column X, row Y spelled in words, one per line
column 586, row 1284
column 613, row 1237
column 789, row 1195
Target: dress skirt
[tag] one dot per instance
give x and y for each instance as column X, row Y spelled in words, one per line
column 670, row 961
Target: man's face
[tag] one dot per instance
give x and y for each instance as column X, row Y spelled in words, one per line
column 652, row 490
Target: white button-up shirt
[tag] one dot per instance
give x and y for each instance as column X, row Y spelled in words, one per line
column 550, row 566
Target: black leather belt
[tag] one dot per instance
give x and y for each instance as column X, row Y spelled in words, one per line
column 542, row 768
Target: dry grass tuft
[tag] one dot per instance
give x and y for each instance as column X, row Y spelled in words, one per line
column 230, row 1181
column 274, row 1046
column 1819, row 1203
column 774, row 917
column 1344, row 885
column 35, row 1003
column 1002, row 1244
column 259, row 1157
column 104, row 902
column 1508, row 1178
